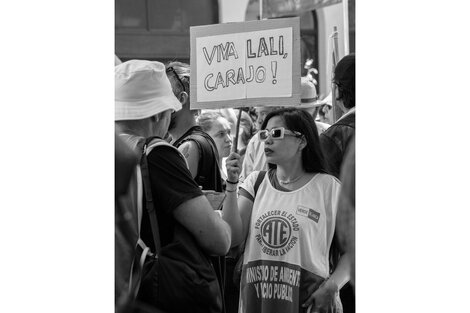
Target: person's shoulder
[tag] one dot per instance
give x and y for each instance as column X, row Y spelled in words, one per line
column 328, row 133
column 328, row 179
column 162, row 150
column 348, row 120
column 253, row 175
column 188, row 147
column 198, row 136
column 322, row 126
column 251, row 178
column 340, row 128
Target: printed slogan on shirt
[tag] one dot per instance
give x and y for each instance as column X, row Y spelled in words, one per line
column 274, row 283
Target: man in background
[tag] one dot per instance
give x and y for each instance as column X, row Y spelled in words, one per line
column 197, row 146
column 335, row 139
column 335, row 142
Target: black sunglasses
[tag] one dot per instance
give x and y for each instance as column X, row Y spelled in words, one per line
column 171, row 69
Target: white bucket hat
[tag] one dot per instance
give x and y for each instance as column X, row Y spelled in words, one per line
column 327, row 100
column 142, row 90
column 308, row 94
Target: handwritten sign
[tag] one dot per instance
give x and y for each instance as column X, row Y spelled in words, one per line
column 245, row 64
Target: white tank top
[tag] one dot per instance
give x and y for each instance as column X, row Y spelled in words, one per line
column 286, row 253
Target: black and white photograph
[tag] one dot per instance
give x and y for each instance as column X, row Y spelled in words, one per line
column 235, row 156
column 203, row 156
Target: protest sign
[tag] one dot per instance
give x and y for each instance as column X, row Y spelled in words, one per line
column 246, row 64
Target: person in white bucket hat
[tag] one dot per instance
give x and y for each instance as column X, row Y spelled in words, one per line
column 310, row 103
column 144, row 102
column 142, row 90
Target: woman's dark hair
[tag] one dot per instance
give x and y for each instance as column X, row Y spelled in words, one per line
column 313, row 160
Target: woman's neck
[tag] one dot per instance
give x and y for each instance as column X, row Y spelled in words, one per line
column 182, row 125
column 222, row 169
column 290, row 171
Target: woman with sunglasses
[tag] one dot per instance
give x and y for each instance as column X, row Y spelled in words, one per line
column 287, row 221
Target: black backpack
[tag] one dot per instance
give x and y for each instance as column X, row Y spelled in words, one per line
column 128, row 268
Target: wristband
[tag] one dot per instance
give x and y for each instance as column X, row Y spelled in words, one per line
column 231, row 182
column 228, row 190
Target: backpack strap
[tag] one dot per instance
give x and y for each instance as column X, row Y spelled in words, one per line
column 208, row 160
column 150, row 144
column 258, row 181
column 134, row 286
column 149, row 201
column 140, row 193
column 208, row 152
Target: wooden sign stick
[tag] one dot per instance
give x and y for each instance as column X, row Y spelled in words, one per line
column 235, row 144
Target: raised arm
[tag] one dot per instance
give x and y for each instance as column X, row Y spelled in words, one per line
column 236, row 210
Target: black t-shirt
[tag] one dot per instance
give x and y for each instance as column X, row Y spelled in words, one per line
column 172, row 185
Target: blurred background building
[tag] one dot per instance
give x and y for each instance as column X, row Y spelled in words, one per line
column 159, row 29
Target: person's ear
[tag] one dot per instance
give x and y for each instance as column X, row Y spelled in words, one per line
column 183, row 98
column 303, row 143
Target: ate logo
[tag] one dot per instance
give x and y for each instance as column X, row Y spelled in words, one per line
column 276, row 232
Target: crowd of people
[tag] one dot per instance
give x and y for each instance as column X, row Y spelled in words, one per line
column 281, row 237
